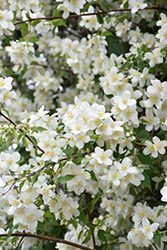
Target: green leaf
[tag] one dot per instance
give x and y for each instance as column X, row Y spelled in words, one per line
column 9, row 72
column 75, row 224
column 21, row 185
column 39, row 128
column 22, row 39
column 114, row 46
column 41, row 227
column 159, row 212
column 35, row 178
column 34, row 63
column 56, row 12
column 52, row 223
column 7, row 112
column 19, row 136
column 157, row 238
column 22, row 72
column 89, row 234
column 105, row 6
column 94, row 137
column 69, row 152
column 93, row 176
column 121, row 220
column 65, row 75
column 33, row 139
column 10, row 137
column 14, row 16
column 79, row 158
column 108, row 19
column 59, row 22
column 33, row 39
column 100, row 18
column 24, row 141
column 82, row 216
column 7, row 38
column 95, row 200
column 39, row 246
column 107, row 33
column 3, row 213
column 146, row 182
column 10, row 232
column 88, row 4
column 10, row 226
column 152, row 24
column 48, row 214
column 101, row 235
column 1, row 141
column 126, row 5
column 34, row 23
column 65, row 178
column 24, row 29
column 145, row 159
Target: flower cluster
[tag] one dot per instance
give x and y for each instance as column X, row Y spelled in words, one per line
column 83, row 162
column 6, row 95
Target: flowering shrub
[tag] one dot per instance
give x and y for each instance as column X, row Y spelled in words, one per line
column 83, row 121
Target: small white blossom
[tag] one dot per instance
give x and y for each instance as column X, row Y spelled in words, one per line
column 155, row 147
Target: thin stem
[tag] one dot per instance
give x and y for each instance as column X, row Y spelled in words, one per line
column 50, row 163
column 22, row 132
column 89, row 14
column 42, row 65
column 19, row 243
column 88, row 213
column 56, row 68
column 15, row 180
column 42, row 237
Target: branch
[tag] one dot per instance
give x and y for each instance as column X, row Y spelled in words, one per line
column 49, row 164
column 88, row 14
column 42, row 65
column 21, row 131
column 47, row 238
column 87, row 210
column 15, row 180
column 19, row 242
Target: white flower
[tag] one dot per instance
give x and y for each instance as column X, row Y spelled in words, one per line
column 9, row 161
column 78, row 183
column 136, row 5
column 155, row 147
column 20, row 52
column 162, row 21
column 142, row 211
column 162, row 35
column 112, row 79
column 74, row 5
column 155, row 57
column 5, row 94
column 141, row 235
column 90, row 22
column 124, row 101
column 163, row 191
column 78, row 126
column 102, row 156
column 6, row 24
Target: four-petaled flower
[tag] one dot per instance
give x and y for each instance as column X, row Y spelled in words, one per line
column 155, row 147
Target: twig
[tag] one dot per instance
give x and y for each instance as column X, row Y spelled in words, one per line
column 22, row 132
column 15, row 180
column 19, row 243
column 42, row 65
column 88, row 14
column 50, row 163
column 87, row 210
column 42, row 237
